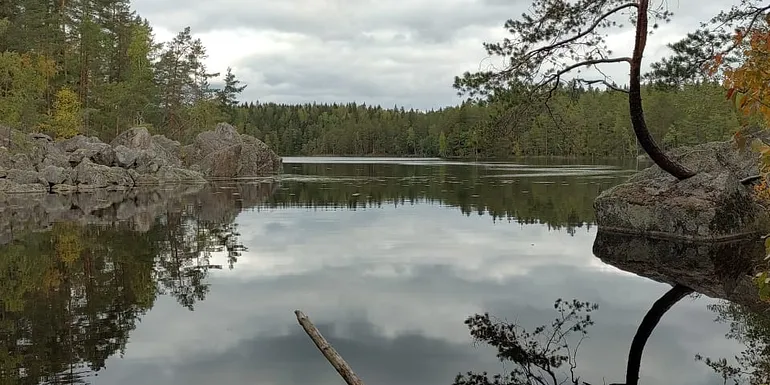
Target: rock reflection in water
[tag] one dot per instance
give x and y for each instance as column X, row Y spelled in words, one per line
column 77, row 272
column 716, row 269
column 722, row 270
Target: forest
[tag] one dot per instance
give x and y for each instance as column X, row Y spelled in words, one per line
column 93, row 67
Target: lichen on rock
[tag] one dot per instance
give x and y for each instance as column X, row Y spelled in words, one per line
column 712, row 205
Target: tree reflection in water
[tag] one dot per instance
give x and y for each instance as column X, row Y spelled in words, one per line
column 79, row 272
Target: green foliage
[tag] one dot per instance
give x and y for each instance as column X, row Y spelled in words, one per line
column 67, row 117
column 752, row 330
column 107, row 54
column 23, row 82
column 228, row 96
column 443, row 147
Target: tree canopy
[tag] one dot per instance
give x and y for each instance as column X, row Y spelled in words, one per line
column 106, row 55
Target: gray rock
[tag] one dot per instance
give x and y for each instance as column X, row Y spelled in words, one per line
column 106, row 156
column 89, row 175
column 171, row 146
column 10, row 187
column 55, row 175
column 54, row 157
column 98, row 153
column 133, row 174
column 258, row 159
column 63, row 188
column 146, row 180
column 137, row 138
column 134, row 158
column 40, row 136
column 26, row 177
column 223, row 153
column 18, row 161
column 708, row 157
column 712, row 205
column 125, row 157
column 77, row 142
column 152, row 152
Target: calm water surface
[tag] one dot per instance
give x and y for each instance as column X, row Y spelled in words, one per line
column 388, row 257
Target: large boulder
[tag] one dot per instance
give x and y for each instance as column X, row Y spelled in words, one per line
column 223, row 153
column 712, row 205
column 89, row 176
column 17, row 161
column 56, row 175
column 26, row 177
column 125, row 157
column 149, row 153
column 81, row 147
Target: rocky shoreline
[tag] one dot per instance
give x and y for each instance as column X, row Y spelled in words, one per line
column 35, row 163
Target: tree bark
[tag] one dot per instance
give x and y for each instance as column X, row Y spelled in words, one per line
column 635, row 102
column 327, row 350
column 649, row 322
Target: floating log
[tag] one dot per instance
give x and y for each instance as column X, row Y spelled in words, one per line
column 327, row 350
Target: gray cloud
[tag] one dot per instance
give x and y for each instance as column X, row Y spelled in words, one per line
column 393, row 303
column 403, row 52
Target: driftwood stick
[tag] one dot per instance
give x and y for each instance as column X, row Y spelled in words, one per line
column 327, row 350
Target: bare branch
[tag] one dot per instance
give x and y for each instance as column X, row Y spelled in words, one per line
column 584, row 33
column 604, row 82
column 586, row 63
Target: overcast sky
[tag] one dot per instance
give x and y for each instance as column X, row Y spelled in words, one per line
column 403, row 52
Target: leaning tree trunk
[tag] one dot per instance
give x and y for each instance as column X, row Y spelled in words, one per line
column 650, row 320
column 635, row 102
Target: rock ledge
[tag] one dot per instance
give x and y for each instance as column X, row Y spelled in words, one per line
column 712, row 205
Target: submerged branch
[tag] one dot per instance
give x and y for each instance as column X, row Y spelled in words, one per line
column 327, row 350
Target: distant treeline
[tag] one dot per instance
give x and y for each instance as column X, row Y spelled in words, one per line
column 579, row 122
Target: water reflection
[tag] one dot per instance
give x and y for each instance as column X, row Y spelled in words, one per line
column 376, row 254
column 717, row 269
column 562, row 198
column 80, row 270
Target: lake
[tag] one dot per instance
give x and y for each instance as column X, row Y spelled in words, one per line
column 388, row 257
